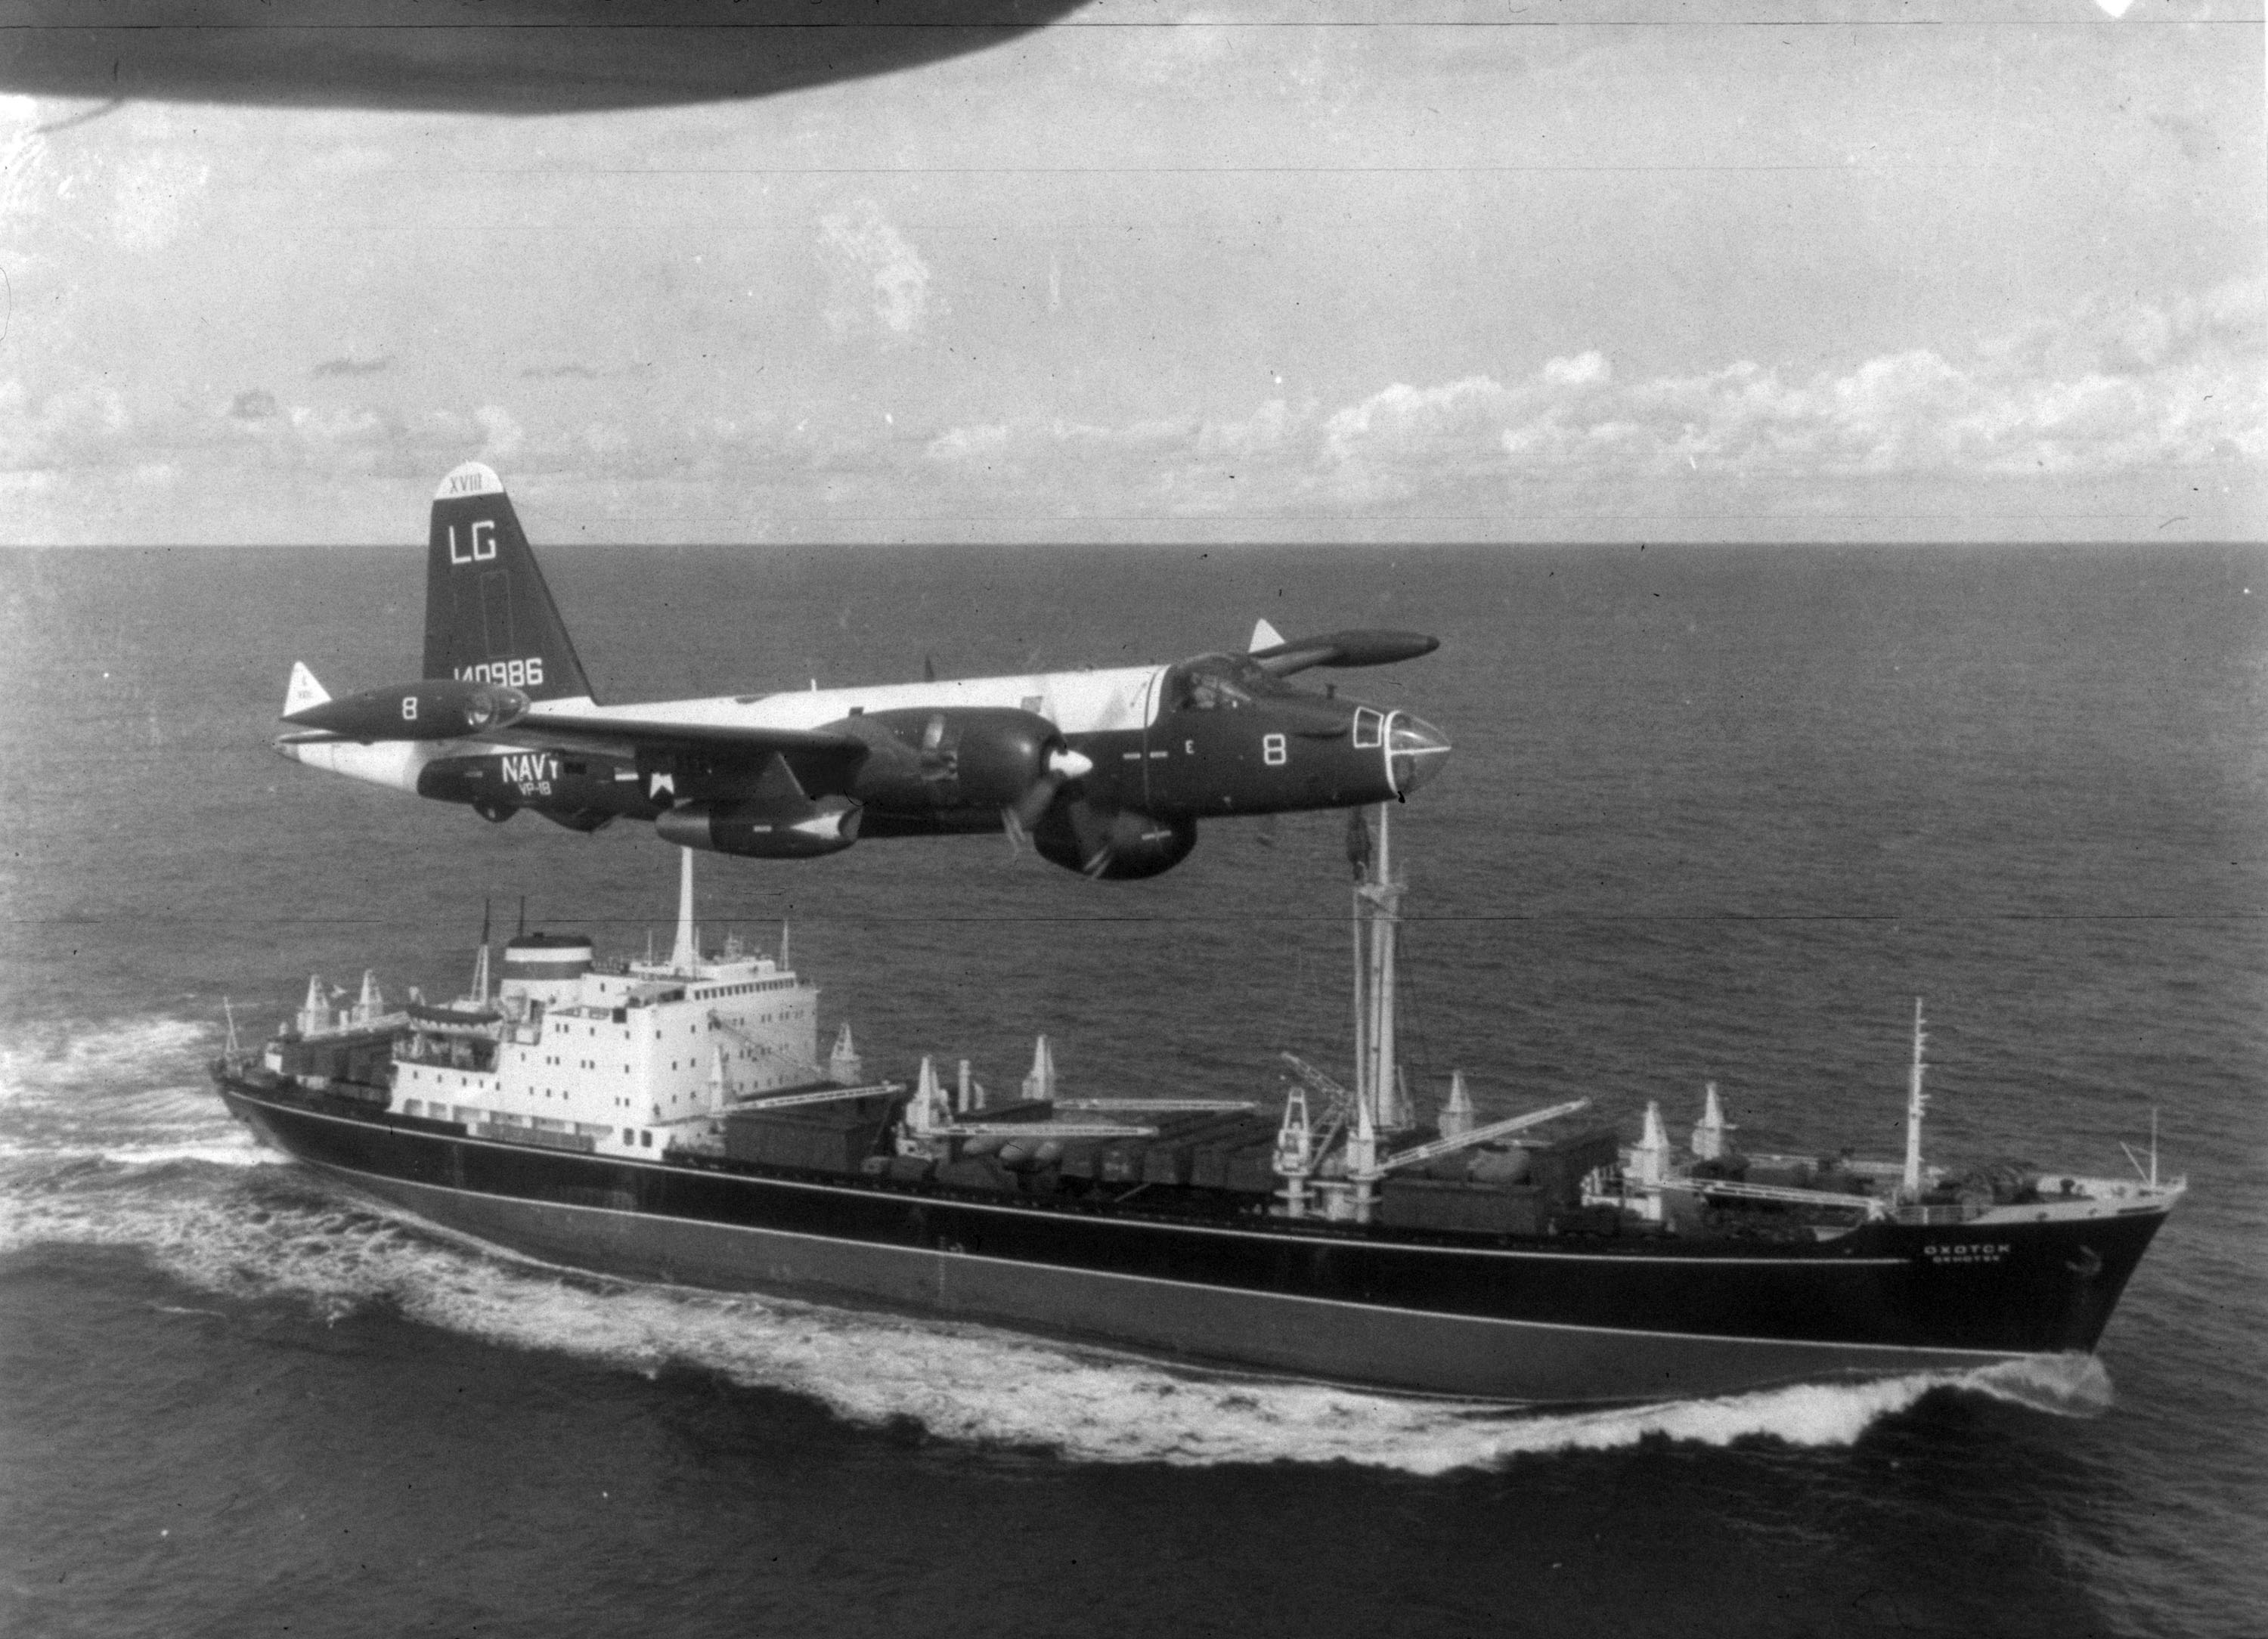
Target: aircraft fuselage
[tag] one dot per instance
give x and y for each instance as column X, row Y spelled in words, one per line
column 1107, row 772
column 1159, row 740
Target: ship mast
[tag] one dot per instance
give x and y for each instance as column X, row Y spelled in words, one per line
column 1378, row 1104
column 1389, row 1100
column 1361, row 853
column 1377, row 909
column 481, row 962
column 1377, row 899
column 1385, row 935
column 1917, row 1101
column 685, row 956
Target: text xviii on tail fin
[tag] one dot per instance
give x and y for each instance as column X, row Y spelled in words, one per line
column 488, row 616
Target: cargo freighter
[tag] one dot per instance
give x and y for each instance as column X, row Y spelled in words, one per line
column 671, row 1120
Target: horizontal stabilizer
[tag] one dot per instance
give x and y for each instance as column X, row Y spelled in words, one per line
column 303, row 692
column 1341, row 648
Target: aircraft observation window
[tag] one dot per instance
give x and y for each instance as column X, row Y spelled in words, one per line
column 1369, row 729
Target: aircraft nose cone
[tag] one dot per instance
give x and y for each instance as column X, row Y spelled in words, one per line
column 1415, row 752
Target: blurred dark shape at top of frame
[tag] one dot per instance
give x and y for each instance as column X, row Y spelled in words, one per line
column 484, row 56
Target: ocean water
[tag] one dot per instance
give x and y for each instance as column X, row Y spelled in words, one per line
column 1714, row 813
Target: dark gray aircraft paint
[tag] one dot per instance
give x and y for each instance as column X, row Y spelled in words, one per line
column 1106, row 772
column 484, row 56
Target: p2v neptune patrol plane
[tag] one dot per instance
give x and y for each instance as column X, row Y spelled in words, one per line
column 1106, row 772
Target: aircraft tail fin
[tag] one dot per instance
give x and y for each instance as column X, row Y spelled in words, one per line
column 303, row 692
column 1265, row 636
column 488, row 616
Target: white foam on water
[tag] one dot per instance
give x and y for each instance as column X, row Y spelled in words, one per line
column 956, row 1381
column 237, row 1148
column 96, row 1123
column 2059, row 1386
column 70, row 1059
column 130, row 1093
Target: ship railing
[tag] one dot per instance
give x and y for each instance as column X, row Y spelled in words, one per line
column 1179, row 1106
column 831, row 1093
column 1942, row 1212
column 537, row 1137
column 376, row 1025
column 439, row 1055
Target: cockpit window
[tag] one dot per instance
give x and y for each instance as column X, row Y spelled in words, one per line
column 1224, row 682
column 1210, row 692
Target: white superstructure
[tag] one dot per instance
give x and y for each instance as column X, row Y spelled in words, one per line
column 623, row 1057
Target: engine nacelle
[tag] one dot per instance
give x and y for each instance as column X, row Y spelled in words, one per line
column 437, row 709
column 955, row 757
column 1112, row 844
column 763, row 830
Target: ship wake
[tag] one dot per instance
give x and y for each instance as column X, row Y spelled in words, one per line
column 125, row 1092
column 267, row 1235
column 108, row 1138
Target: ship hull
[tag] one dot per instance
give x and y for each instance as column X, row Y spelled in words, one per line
column 1561, row 1321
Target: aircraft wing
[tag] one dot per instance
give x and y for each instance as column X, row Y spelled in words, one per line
column 626, row 736
column 510, row 57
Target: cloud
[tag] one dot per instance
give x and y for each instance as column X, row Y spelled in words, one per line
column 80, row 426
column 559, row 372
column 2135, row 399
column 2100, row 393
column 501, row 436
column 878, row 284
column 155, row 191
column 353, row 366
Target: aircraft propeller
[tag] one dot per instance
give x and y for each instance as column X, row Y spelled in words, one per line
column 1063, row 767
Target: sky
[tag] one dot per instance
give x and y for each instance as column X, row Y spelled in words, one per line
column 1167, row 272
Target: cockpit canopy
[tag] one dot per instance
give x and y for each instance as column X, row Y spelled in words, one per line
column 1224, row 682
